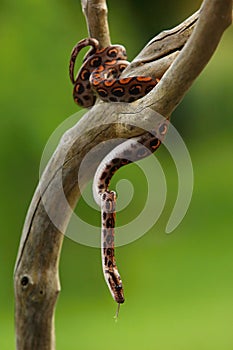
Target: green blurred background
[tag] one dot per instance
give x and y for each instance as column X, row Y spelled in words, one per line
column 178, row 287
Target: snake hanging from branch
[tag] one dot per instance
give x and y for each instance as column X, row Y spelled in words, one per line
column 99, row 76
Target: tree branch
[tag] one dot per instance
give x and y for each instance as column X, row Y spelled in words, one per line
column 215, row 17
column 157, row 56
column 36, row 273
column 96, row 13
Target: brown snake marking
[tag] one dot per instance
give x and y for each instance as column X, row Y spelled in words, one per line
column 99, row 75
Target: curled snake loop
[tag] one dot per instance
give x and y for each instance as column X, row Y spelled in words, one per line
column 99, row 76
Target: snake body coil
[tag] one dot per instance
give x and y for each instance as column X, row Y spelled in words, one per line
column 99, row 75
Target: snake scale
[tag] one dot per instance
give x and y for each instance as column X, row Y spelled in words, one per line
column 99, row 76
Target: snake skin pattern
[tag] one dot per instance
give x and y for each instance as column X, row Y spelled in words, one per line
column 129, row 151
column 100, row 76
column 110, row 270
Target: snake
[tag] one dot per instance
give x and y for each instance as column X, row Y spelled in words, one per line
column 99, row 76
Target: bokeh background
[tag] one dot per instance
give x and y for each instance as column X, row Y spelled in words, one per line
column 178, row 287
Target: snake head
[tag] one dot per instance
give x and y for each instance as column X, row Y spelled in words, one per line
column 116, row 288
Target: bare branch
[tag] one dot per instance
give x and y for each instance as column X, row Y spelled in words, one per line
column 157, row 56
column 215, row 17
column 96, row 13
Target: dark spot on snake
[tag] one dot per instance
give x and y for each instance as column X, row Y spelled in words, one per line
column 115, row 160
column 107, row 181
column 118, row 91
column 96, row 61
column 114, row 169
column 113, row 99
column 114, row 278
column 88, row 86
column 109, row 251
column 122, row 67
column 105, row 232
column 102, row 92
column 135, row 89
column 154, row 143
column 79, row 88
column 109, row 223
column 101, row 187
column 85, row 74
column 109, row 263
column 104, row 215
column 104, row 196
column 104, row 174
column 105, row 260
column 112, row 52
column 86, row 97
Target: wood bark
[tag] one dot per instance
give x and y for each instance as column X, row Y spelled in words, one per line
column 181, row 54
